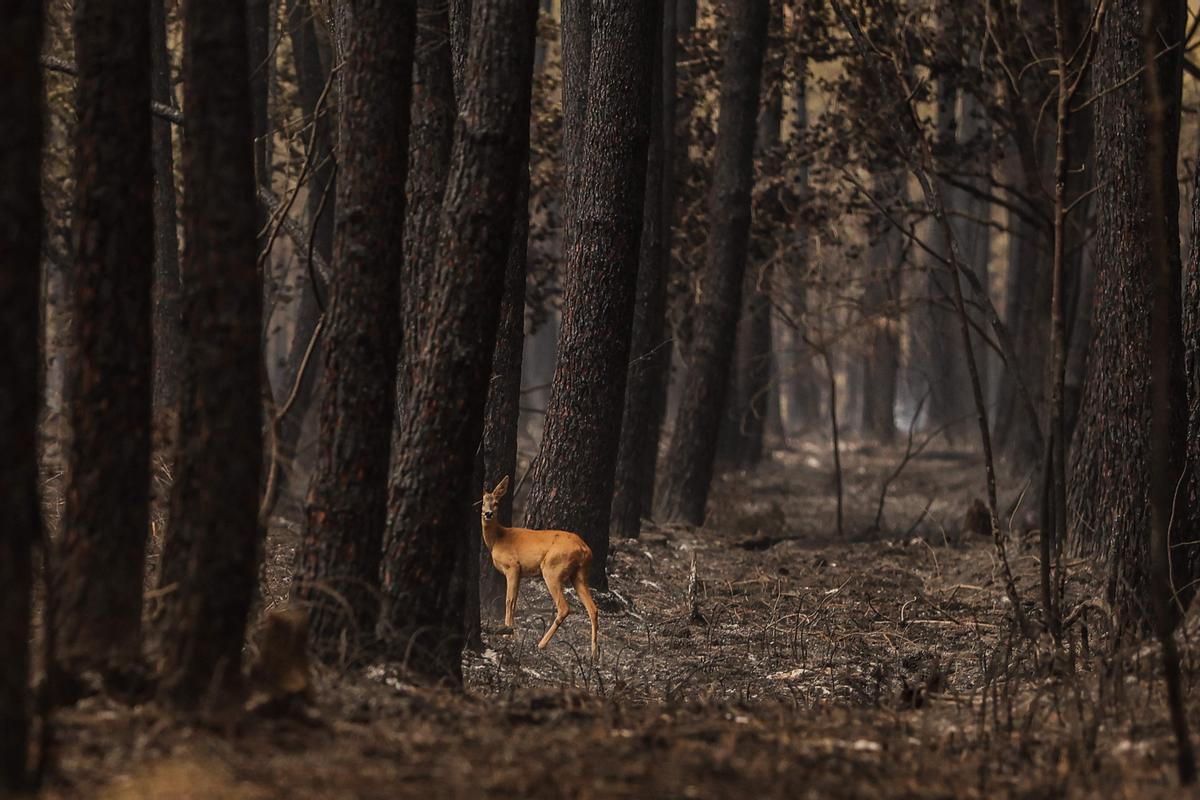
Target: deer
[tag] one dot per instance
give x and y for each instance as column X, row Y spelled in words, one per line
column 560, row 557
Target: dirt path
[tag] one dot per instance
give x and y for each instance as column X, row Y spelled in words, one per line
column 761, row 656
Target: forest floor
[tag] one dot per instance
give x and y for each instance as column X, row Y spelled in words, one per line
column 764, row 655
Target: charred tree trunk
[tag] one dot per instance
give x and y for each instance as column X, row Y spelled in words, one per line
column 881, row 302
column 106, row 515
column 460, row 40
column 338, row 569
column 572, row 478
column 740, row 443
column 166, row 238
column 800, row 385
column 443, row 420
column 1025, row 316
column 1167, row 459
column 576, row 42
column 649, row 351
column 1109, row 488
column 502, row 412
column 258, row 48
column 321, row 209
column 949, row 403
column 429, row 145
column 971, row 228
column 211, row 555
column 20, row 301
column 693, row 445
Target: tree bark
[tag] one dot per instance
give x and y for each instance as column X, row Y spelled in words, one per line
column 800, row 385
column 572, row 478
column 693, row 445
column 106, row 512
column 1028, row 297
column 443, row 421
column 881, row 303
column 429, row 145
column 649, row 350
column 1108, row 495
column 337, row 572
column 949, row 404
column 211, row 555
column 260, row 54
column 503, row 410
column 321, row 209
column 576, row 41
column 20, row 301
column 166, row 237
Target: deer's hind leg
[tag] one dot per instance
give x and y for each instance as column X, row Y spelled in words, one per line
column 585, row 597
column 555, row 578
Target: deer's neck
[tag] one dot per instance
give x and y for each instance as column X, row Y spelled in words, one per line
column 491, row 532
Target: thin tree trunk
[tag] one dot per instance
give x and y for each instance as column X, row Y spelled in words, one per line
column 693, row 445
column 1167, row 456
column 572, row 478
column 166, row 238
column 1028, row 297
column 210, row 559
column 20, row 301
column 649, row 352
column 800, row 384
column 751, row 378
column 106, row 513
column 881, row 299
column 949, row 402
column 337, row 571
column 321, row 207
column 258, row 48
column 503, row 409
column 443, row 421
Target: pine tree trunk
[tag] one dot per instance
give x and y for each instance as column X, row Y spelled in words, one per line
column 260, row 55
column 572, row 479
column 576, row 44
column 443, row 420
column 881, row 302
column 106, row 514
column 800, row 386
column 1026, row 317
column 973, row 232
column 20, row 302
column 210, row 558
column 949, row 403
column 321, row 208
column 338, row 567
column 503, row 410
column 1109, row 487
column 429, row 145
column 754, row 358
column 649, row 352
column 693, row 445
column 166, row 239
column 751, row 380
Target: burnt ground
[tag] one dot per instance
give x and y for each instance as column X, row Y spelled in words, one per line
column 764, row 655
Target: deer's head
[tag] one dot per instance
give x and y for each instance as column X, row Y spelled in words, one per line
column 491, row 500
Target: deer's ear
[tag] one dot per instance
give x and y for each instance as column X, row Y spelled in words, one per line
column 501, row 487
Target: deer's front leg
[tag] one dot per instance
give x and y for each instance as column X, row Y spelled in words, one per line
column 513, row 579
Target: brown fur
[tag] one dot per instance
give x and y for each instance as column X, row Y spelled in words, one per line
column 561, row 557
